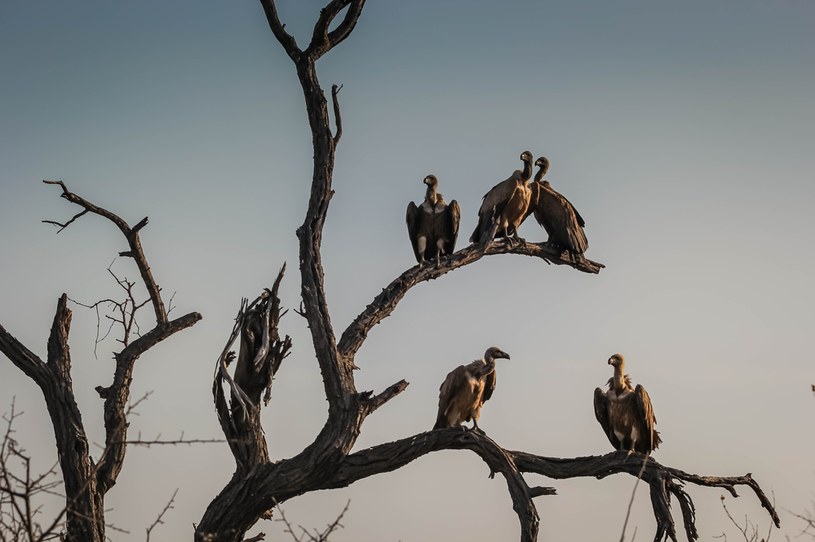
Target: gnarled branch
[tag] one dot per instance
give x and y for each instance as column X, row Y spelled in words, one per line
column 133, row 240
column 85, row 482
column 385, row 303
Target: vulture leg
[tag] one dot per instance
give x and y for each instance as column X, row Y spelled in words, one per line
column 421, row 244
column 439, row 251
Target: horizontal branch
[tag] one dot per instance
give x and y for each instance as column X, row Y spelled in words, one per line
column 385, row 303
column 664, row 481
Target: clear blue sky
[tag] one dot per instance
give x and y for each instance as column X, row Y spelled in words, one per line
column 683, row 132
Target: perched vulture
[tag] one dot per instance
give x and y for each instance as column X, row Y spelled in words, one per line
column 505, row 206
column 433, row 225
column 466, row 389
column 556, row 214
column 625, row 412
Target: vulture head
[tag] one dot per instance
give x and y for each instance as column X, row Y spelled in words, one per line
column 542, row 163
column 493, row 353
column 431, row 181
column 616, row 360
column 526, row 156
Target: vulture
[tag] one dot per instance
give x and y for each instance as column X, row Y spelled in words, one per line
column 466, row 389
column 556, row 214
column 433, row 225
column 625, row 412
column 505, row 206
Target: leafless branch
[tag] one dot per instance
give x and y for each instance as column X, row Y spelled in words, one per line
column 808, row 520
column 385, row 303
column 19, row 493
column 316, row 535
column 160, row 519
column 136, row 252
column 335, row 90
column 180, row 440
column 749, row 530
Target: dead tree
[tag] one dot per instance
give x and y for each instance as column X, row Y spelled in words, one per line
column 259, row 484
column 87, row 480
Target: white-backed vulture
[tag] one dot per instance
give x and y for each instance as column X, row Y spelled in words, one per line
column 504, row 207
column 433, row 225
column 556, row 214
column 466, row 389
column 625, row 412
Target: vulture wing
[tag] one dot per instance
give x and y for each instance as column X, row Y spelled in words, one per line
column 493, row 204
column 489, row 386
column 452, row 216
column 601, row 413
column 576, row 214
column 454, row 383
column 412, row 219
column 560, row 220
column 646, row 419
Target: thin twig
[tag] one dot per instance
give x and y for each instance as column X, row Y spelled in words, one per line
column 160, row 519
column 634, row 492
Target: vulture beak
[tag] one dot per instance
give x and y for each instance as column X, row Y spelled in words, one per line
column 503, row 355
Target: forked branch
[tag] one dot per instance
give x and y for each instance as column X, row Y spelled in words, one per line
column 131, row 234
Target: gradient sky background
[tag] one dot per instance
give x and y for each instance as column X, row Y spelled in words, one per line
column 682, row 131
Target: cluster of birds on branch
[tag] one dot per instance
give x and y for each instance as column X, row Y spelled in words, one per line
column 433, row 225
column 624, row 411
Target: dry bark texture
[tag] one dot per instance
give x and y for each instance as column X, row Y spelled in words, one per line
column 86, row 479
column 259, row 484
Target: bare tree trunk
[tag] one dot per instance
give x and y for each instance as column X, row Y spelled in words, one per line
column 87, row 481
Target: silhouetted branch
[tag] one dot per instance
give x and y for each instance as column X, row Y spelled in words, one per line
column 86, row 482
column 335, row 90
column 181, row 440
column 133, row 240
column 305, row 535
column 160, row 519
column 385, row 303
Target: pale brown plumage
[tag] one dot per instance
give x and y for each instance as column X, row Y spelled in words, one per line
column 625, row 412
column 433, row 225
column 505, row 206
column 466, row 389
column 556, row 214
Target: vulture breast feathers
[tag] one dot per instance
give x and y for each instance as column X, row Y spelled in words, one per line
column 626, row 414
column 506, row 204
column 556, row 214
column 433, row 225
column 466, row 389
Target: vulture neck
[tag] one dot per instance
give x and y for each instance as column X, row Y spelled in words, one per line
column 618, row 380
column 526, row 174
column 539, row 175
column 489, row 365
column 431, row 196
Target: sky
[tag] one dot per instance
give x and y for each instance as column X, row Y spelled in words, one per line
column 683, row 132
